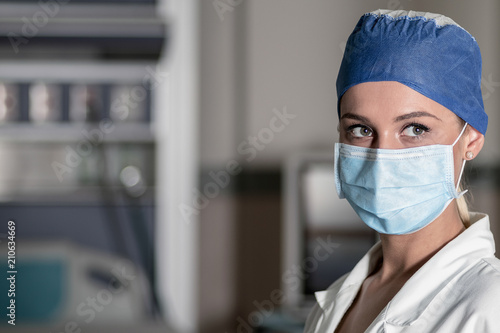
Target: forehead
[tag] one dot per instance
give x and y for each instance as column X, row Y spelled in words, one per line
column 389, row 99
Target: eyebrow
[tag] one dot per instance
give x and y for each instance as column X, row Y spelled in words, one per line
column 410, row 115
column 415, row 114
column 353, row 116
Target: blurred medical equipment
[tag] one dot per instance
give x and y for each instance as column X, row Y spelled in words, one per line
column 323, row 238
column 77, row 145
column 57, row 282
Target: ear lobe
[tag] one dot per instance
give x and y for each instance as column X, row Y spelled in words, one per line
column 475, row 141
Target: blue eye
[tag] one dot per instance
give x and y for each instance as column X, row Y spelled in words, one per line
column 415, row 130
column 360, row 131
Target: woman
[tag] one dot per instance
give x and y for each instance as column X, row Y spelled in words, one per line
column 411, row 113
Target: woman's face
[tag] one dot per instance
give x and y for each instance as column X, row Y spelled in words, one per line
column 391, row 115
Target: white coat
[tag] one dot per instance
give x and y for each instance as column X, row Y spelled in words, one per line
column 457, row 290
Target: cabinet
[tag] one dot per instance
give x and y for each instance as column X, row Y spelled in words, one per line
column 77, row 140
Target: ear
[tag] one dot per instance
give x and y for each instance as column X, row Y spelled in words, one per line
column 474, row 143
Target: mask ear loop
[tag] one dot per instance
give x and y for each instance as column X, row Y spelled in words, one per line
column 460, row 135
column 463, row 164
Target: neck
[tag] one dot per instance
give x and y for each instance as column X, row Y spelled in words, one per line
column 403, row 255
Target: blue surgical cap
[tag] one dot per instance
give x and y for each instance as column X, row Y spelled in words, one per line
column 427, row 52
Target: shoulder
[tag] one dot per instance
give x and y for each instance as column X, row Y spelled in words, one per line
column 480, row 287
column 484, row 275
column 470, row 302
column 487, row 272
column 480, row 282
column 481, row 296
column 494, row 263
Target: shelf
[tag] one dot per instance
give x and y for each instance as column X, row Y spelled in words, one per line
column 76, row 195
column 110, row 30
column 64, row 133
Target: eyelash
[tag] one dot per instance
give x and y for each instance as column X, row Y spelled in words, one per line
column 416, row 137
column 352, row 127
column 417, row 125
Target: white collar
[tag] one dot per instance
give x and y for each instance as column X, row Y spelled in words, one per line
column 466, row 249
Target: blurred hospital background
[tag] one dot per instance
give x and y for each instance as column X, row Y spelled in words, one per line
column 167, row 164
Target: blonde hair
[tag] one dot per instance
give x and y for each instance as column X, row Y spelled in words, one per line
column 463, row 207
column 462, row 202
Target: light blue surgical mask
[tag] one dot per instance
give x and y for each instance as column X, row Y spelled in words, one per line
column 397, row 191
